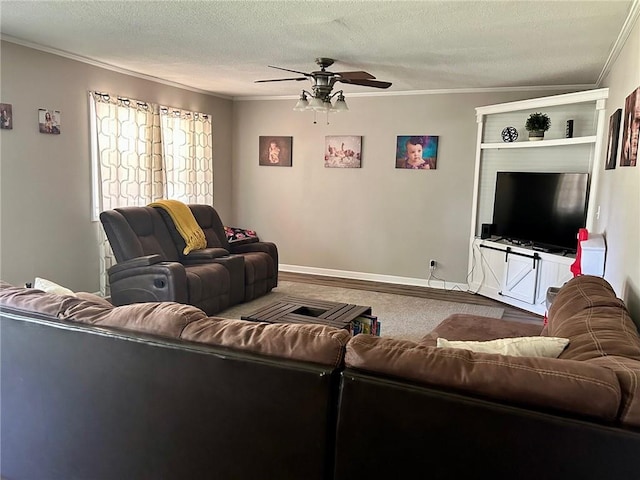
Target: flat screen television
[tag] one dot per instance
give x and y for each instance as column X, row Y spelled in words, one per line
column 545, row 210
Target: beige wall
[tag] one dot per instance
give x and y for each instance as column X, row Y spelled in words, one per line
column 45, row 227
column 377, row 219
column 374, row 220
column 620, row 189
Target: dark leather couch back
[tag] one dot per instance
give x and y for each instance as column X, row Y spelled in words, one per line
column 91, row 403
column 136, row 232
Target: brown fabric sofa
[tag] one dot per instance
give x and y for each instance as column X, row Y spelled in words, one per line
column 161, row 390
column 454, row 413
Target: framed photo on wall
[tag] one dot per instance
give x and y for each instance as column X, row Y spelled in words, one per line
column 631, row 130
column 417, row 152
column 612, row 142
column 6, row 116
column 49, row 121
column 275, row 151
column 343, row 151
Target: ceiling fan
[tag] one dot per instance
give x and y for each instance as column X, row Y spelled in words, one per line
column 322, row 82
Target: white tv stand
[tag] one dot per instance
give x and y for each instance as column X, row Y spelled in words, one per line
column 517, row 274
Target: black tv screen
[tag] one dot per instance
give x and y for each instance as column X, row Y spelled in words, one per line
column 543, row 209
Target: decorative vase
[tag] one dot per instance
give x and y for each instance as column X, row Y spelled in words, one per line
column 535, row 135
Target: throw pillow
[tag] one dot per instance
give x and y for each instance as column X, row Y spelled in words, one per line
column 550, row 347
column 48, row 286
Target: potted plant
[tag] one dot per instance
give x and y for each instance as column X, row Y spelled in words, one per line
column 537, row 124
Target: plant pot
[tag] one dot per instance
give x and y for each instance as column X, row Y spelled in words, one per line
column 535, row 135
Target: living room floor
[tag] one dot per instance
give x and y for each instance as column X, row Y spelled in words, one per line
column 510, row 313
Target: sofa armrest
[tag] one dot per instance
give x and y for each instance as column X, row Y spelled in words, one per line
column 206, row 255
column 134, row 263
column 563, row 385
column 266, row 247
column 159, row 282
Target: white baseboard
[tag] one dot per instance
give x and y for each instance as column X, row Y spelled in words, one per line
column 372, row 277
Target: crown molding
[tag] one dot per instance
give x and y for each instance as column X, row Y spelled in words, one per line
column 446, row 91
column 106, row 66
column 563, row 99
column 632, row 18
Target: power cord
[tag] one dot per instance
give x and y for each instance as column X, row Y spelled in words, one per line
column 432, row 275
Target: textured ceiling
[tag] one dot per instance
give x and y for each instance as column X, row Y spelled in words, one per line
column 224, row 46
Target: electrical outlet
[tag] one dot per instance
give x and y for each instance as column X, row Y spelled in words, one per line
column 432, row 264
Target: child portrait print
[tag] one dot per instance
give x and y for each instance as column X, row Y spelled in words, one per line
column 417, row 152
column 343, row 152
column 6, row 116
column 275, row 151
column 49, row 121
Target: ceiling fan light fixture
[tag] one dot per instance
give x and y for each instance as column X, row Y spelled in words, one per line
column 341, row 104
column 316, row 104
column 323, row 81
column 303, row 103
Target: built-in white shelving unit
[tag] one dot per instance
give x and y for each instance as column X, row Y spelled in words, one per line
column 513, row 274
column 542, row 143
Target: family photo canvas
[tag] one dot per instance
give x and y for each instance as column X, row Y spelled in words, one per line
column 49, row 121
column 6, row 116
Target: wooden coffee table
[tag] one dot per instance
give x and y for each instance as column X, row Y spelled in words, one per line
column 308, row 310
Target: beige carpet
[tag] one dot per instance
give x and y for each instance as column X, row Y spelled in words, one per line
column 400, row 316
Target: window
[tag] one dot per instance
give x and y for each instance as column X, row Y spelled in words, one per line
column 142, row 152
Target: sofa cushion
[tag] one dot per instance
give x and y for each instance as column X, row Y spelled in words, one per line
column 628, row 372
column 92, row 297
column 159, row 318
column 306, row 342
column 538, row 346
column 587, row 312
column 33, row 300
column 565, row 385
column 461, row 326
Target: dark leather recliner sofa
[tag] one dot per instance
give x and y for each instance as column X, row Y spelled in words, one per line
column 160, row 390
column 151, row 265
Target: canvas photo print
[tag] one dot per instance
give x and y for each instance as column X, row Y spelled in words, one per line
column 631, row 130
column 343, row 152
column 6, row 116
column 275, row 151
column 417, row 152
column 49, row 121
column 612, row 143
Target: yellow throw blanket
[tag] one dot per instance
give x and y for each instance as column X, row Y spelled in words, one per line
column 185, row 222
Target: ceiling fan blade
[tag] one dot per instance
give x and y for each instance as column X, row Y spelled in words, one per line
column 288, row 70
column 357, row 75
column 281, row 80
column 366, row 83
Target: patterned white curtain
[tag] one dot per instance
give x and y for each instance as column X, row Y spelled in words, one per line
column 187, row 155
column 132, row 165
